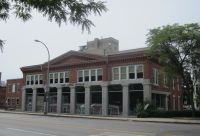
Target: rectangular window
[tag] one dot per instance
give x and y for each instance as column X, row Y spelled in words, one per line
column 17, row 101
column 18, row 87
column 61, row 79
column 13, row 102
column 131, row 72
column 165, row 80
column 9, row 87
column 123, row 73
column 55, row 78
column 86, row 75
column 13, row 88
column 32, row 79
column 80, row 76
column 115, row 73
column 173, row 84
column 93, row 75
column 28, row 80
column 140, row 71
column 8, row 101
column 66, row 77
column 155, row 76
column 178, row 87
column 51, row 78
column 36, row 79
column 41, row 79
column 99, row 74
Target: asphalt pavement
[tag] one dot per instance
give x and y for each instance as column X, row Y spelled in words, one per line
column 37, row 125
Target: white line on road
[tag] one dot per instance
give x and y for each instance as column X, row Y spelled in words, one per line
column 116, row 134
column 33, row 132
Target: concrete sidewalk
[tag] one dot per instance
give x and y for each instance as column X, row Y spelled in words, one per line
column 156, row 120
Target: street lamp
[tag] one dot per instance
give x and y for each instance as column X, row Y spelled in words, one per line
column 47, row 80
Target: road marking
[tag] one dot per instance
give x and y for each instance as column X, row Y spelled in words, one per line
column 33, row 132
column 116, row 134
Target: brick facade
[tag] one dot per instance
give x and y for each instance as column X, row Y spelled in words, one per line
column 168, row 98
column 2, row 96
column 14, row 94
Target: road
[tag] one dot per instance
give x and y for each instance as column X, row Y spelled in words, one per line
column 31, row 125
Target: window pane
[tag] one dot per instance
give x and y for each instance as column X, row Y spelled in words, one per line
column 123, row 73
column 140, row 71
column 80, row 76
column 51, row 78
column 32, row 80
column 36, row 79
column 61, row 77
column 93, row 72
column 66, row 77
column 115, row 73
column 41, row 79
column 93, row 75
column 131, row 69
column 86, row 73
column 99, row 74
column 27, row 79
column 55, row 77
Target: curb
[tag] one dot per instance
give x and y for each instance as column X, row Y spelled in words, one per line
column 152, row 120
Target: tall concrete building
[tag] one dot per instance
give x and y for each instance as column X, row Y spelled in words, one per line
column 99, row 80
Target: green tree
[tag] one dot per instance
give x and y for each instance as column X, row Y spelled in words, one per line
column 75, row 12
column 61, row 11
column 177, row 48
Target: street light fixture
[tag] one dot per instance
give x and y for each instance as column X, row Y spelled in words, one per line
column 47, row 81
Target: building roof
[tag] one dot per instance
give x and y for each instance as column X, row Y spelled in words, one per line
column 77, row 57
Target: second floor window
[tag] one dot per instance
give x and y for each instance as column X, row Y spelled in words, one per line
column 93, row 75
column 86, row 75
column 132, row 72
column 99, row 74
column 165, row 80
column 90, row 75
column 116, row 73
column 51, row 78
column 123, row 73
column 34, row 79
column 140, row 71
column 59, row 77
column 80, row 76
column 55, row 78
column 155, row 76
column 128, row 72
column 41, row 79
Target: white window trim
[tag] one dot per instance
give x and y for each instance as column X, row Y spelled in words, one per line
column 89, row 72
column 127, row 72
column 156, row 76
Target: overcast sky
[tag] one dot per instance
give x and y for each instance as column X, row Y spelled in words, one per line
column 127, row 20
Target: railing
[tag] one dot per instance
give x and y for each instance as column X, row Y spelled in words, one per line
column 80, row 108
column 113, row 110
column 52, row 108
column 65, row 108
column 96, row 109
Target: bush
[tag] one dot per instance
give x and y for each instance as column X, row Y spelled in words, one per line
column 169, row 114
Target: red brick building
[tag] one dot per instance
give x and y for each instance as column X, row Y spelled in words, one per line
column 2, row 96
column 14, row 94
column 101, row 80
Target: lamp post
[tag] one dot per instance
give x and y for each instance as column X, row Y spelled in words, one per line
column 46, row 99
